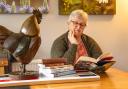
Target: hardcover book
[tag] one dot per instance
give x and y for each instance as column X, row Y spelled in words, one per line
column 54, row 61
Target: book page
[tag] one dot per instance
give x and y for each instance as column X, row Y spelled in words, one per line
column 105, row 55
column 86, row 58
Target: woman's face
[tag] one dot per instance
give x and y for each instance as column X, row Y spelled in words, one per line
column 77, row 25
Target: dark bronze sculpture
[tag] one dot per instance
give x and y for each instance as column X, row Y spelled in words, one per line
column 24, row 45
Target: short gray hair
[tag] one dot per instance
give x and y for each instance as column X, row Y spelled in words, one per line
column 79, row 14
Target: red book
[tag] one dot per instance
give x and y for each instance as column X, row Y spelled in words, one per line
column 54, row 61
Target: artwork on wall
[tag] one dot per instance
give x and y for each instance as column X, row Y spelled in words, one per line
column 23, row 6
column 92, row 7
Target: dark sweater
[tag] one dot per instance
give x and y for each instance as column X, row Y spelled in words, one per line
column 60, row 48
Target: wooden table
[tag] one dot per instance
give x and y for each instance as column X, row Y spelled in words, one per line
column 112, row 79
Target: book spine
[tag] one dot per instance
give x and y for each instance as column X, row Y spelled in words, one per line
column 55, row 60
column 55, row 70
column 64, row 73
column 58, row 74
column 54, row 64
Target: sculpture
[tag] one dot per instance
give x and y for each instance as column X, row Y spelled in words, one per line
column 24, row 45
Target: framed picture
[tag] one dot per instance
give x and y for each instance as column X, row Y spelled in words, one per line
column 23, row 6
column 92, row 7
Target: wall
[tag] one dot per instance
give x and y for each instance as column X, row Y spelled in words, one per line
column 111, row 32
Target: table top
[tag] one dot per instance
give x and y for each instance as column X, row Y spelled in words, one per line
column 6, row 81
column 112, row 79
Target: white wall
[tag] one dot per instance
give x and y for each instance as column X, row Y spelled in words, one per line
column 111, row 32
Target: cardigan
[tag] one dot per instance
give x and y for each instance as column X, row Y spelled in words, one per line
column 60, row 48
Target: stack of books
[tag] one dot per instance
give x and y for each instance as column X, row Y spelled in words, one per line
column 56, row 67
column 56, row 71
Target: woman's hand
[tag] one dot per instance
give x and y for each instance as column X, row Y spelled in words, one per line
column 72, row 38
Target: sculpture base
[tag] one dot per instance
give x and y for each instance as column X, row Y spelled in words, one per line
column 24, row 76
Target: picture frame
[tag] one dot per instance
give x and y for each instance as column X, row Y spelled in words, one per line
column 92, row 7
column 23, row 6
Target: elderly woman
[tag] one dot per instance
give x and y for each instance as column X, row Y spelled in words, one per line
column 74, row 43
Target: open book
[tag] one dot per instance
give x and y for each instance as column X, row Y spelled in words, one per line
column 105, row 60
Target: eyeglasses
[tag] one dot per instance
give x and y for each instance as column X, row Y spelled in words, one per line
column 76, row 23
